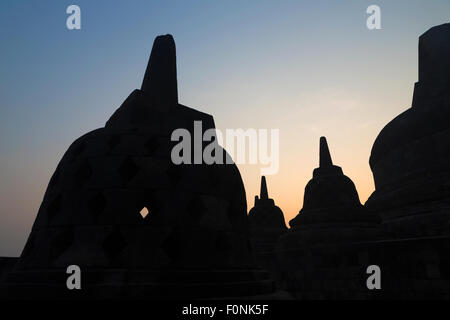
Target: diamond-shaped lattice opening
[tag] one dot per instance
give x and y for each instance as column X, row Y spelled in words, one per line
column 114, row 244
column 82, row 174
column 144, row 212
column 54, row 206
column 113, row 141
column 96, row 204
column 128, row 170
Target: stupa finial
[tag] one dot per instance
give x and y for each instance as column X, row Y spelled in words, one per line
column 263, row 193
column 324, row 156
column 434, row 55
column 160, row 79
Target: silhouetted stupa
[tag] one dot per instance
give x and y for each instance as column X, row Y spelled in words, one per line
column 331, row 209
column 193, row 240
column 410, row 158
column 266, row 221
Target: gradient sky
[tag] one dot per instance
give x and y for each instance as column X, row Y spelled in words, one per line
column 309, row 68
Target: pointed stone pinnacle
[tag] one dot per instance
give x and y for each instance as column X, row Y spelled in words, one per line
column 324, row 156
column 263, row 193
column 434, row 56
column 160, row 79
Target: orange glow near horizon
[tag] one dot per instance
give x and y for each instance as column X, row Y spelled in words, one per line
column 308, row 69
column 350, row 123
column 287, row 187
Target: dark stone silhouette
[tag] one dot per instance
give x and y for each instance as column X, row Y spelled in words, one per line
column 266, row 221
column 411, row 167
column 192, row 243
column 331, row 209
column 6, row 265
column 332, row 242
column 410, row 158
column 194, row 239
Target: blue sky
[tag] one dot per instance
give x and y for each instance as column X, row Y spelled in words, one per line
column 309, row 68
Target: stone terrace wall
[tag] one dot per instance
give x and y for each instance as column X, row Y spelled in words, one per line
column 410, row 269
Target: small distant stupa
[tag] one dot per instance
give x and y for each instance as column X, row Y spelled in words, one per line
column 266, row 221
column 410, row 158
column 331, row 209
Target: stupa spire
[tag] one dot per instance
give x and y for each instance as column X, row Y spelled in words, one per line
column 263, row 193
column 324, row 155
column 434, row 55
column 160, row 79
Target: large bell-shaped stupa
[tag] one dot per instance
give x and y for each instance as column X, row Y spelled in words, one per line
column 410, row 158
column 138, row 225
